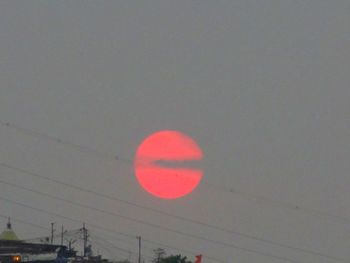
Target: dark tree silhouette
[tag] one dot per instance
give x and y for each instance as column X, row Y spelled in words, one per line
column 175, row 259
column 159, row 254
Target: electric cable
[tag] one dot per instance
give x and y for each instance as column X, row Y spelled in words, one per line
column 153, row 225
column 220, row 243
column 25, row 222
column 103, row 155
column 77, row 220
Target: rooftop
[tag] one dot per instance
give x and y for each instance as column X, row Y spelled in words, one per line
column 8, row 233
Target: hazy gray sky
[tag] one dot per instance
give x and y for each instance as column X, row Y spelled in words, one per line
column 263, row 86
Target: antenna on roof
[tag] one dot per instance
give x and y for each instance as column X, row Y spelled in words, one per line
column 9, row 223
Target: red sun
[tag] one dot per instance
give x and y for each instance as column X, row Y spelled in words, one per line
column 165, row 164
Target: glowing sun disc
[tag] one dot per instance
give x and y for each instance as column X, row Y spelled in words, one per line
column 161, row 164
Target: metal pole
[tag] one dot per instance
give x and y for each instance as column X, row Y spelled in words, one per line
column 62, row 236
column 85, row 239
column 52, row 231
column 139, row 238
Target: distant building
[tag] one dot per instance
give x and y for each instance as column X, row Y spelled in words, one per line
column 13, row 250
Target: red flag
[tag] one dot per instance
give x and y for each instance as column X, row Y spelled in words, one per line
column 198, row 259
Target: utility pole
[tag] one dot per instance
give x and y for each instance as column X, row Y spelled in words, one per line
column 70, row 243
column 62, row 236
column 52, row 231
column 159, row 254
column 139, row 238
column 85, row 237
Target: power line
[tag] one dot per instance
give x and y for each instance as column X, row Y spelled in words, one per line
column 121, row 216
column 125, row 240
column 76, row 220
column 107, row 246
column 287, row 205
column 25, row 222
column 108, row 249
column 62, row 216
column 220, row 243
column 192, row 252
column 115, row 247
column 154, row 210
column 43, row 136
column 112, row 245
column 105, row 249
column 70, row 233
column 103, row 155
column 67, row 233
column 94, row 237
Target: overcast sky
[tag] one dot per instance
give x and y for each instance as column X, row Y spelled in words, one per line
column 262, row 86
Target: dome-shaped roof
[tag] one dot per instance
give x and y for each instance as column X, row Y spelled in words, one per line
column 8, row 233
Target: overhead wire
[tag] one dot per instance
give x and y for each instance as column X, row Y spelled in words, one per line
column 264, row 240
column 25, row 222
column 117, row 239
column 60, row 216
column 287, row 205
column 103, row 155
column 67, row 233
column 219, row 243
column 70, row 233
column 192, row 252
column 107, row 249
column 188, row 251
column 108, row 230
column 112, row 245
column 80, row 148
column 87, row 149
column 94, row 236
